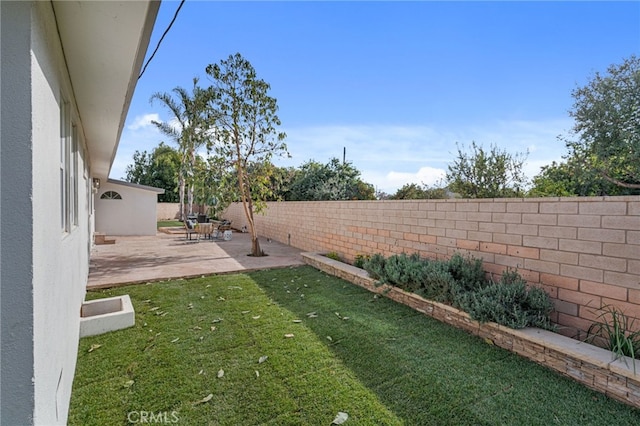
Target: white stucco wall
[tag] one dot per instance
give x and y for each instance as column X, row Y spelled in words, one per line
column 16, row 217
column 41, row 303
column 44, row 267
column 60, row 258
column 134, row 214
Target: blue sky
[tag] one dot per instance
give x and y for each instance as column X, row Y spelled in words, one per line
column 398, row 84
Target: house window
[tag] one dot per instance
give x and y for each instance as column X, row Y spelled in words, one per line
column 73, row 178
column 65, row 150
column 69, row 152
column 110, row 195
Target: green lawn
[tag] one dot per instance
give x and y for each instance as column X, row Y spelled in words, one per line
column 353, row 352
column 168, row 223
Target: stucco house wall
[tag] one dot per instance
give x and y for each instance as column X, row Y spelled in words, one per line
column 53, row 126
column 133, row 214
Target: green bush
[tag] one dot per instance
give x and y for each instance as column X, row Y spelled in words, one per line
column 461, row 282
column 360, row 260
column 375, row 266
column 616, row 331
column 509, row 302
column 334, row 255
column 468, row 272
column 405, row 272
column 439, row 284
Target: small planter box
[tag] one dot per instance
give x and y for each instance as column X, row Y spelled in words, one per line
column 588, row 364
column 104, row 315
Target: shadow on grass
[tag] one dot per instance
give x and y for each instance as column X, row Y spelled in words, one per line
column 427, row 372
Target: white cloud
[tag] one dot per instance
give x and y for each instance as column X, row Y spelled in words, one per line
column 143, row 121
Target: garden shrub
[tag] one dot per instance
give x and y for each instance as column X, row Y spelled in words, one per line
column 509, row 302
column 438, row 283
column 360, row 260
column 334, row 255
column 461, row 282
column 468, row 272
column 617, row 332
column 405, row 272
column 375, row 266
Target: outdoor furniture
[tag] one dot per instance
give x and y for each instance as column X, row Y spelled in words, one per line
column 205, row 229
column 190, row 229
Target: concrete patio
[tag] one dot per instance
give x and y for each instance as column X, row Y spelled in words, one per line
column 140, row 259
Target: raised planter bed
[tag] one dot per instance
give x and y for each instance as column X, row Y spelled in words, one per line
column 103, row 315
column 588, row 364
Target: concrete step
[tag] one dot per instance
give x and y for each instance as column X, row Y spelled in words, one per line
column 100, row 239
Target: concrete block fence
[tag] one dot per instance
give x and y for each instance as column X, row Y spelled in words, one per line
column 171, row 211
column 585, row 252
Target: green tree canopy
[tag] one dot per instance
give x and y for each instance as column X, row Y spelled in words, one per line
column 606, row 133
column 486, row 174
column 413, row 191
column 158, row 169
column 335, row 180
column 242, row 121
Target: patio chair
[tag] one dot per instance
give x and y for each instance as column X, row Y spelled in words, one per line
column 189, row 229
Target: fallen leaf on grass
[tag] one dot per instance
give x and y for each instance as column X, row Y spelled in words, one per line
column 329, row 338
column 200, row 372
column 256, row 317
column 340, row 418
column 94, row 347
column 220, row 373
column 154, row 309
column 197, row 328
column 288, row 336
column 262, row 359
column 216, row 320
column 213, row 328
column 128, row 384
column 245, row 312
column 488, row 341
column 297, row 321
column 257, row 374
column 221, row 299
column 190, row 306
column 175, row 340
column 205, row 399
column 312, row 315
column 234, row 287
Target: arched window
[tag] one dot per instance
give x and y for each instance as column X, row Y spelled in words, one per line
column 110, row 195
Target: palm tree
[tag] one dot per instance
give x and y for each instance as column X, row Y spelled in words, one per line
column 186, row 130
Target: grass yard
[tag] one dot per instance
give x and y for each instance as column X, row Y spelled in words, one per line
column 194, row 356
column 168, row 223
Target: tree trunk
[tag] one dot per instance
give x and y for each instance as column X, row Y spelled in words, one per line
column 190, row 199
column 255, row 246
column 181, row 190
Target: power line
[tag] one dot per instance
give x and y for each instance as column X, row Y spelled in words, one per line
column 175, row 15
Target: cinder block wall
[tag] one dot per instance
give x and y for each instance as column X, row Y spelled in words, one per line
column 585, row 252
column 171, row 211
